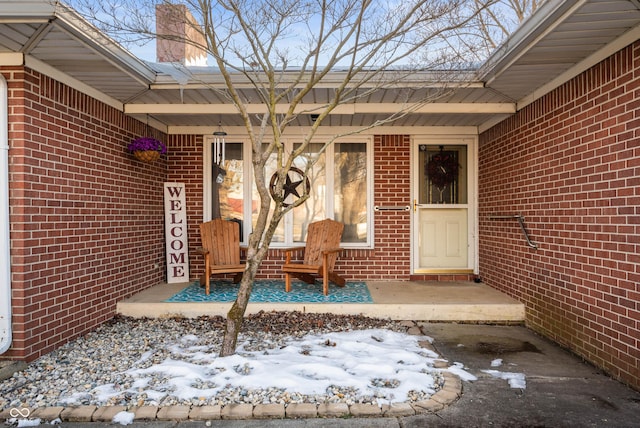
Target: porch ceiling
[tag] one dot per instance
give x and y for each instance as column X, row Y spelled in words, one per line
column 560, row 40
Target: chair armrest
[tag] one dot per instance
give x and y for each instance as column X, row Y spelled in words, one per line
column 292, row 249
column 332, row 250
column 289, row 251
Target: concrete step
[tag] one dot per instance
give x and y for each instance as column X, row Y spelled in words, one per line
column 397, row 300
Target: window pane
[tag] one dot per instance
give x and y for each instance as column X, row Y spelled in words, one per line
column 314, row 208
column 270, row 169
column 350, row 190
column 228, row 195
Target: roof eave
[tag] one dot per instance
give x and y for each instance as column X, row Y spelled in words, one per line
column 550, row 14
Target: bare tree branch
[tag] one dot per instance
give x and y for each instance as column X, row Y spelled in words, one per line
column 284, row 49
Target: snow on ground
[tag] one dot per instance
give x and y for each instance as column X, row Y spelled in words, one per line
column 376, row 362
column 515, row 380
column 384, row 365
column 123, row 418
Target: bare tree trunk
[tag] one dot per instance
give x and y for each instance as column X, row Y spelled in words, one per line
column 235, row 316
column 255, row 254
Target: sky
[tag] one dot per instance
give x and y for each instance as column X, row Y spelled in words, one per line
column 291, row 37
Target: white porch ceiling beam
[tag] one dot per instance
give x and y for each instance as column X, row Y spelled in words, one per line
column 239, row 132
column 347, row 109
column 11, row 58
column 168, row 83
column 36, row 37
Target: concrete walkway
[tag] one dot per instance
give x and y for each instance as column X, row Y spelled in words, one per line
column 561, row 391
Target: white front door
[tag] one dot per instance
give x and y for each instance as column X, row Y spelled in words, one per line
column 444, row 206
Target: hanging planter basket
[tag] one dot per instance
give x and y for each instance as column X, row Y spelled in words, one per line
column 147, row 149
column 147, row 156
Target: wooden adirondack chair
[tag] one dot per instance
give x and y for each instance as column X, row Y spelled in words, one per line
column 320, row 254
column 221, row 250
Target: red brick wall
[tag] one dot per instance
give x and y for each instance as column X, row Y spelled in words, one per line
column 570, row 163
column 86, row 217
column 391, row 257
column 389, row 260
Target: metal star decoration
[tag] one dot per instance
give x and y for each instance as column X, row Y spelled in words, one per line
column 291, row 187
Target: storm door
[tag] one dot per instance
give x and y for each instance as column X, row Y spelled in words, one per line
column 443, row 238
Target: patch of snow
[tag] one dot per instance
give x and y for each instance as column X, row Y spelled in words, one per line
column 123, row 418
column 28, row 422
column 496, row 363
column 308, row 366
column 458, row 370
column 515, row 380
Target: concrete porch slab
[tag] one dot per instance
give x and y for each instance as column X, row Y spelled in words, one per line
column 397, row 300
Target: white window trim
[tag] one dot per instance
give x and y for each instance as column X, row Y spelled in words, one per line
column 288, row 220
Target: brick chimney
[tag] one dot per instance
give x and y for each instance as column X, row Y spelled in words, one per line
column 175, row 27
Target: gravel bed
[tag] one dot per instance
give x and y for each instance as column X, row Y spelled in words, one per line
column 104, row 356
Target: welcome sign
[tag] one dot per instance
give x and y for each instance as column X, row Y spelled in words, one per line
column 175, row 226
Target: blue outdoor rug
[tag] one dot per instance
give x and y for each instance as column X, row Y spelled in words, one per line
column 265, row 291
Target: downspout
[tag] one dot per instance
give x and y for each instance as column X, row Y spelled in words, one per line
column 5, row 255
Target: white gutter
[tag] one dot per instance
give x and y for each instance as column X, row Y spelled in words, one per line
column 5, row 256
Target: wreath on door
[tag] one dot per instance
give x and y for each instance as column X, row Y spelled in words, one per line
column 442, row 169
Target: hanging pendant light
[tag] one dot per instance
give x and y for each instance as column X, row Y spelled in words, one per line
column 219, row 152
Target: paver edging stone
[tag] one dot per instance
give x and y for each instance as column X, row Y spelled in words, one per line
column 269, row 411
column 333, row 410
column 204, row 413
column 398, row 410
column 444, row 397
column 78, row 414
column 144, row 413
column 173, row 413
column 106, row 413
column 452, row 382
column 301, row 410
column 46, row 413
column 360, row 410
column 427, row 406
column 237, row 411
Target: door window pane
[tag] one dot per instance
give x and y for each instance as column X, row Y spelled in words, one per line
column 443, row 174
